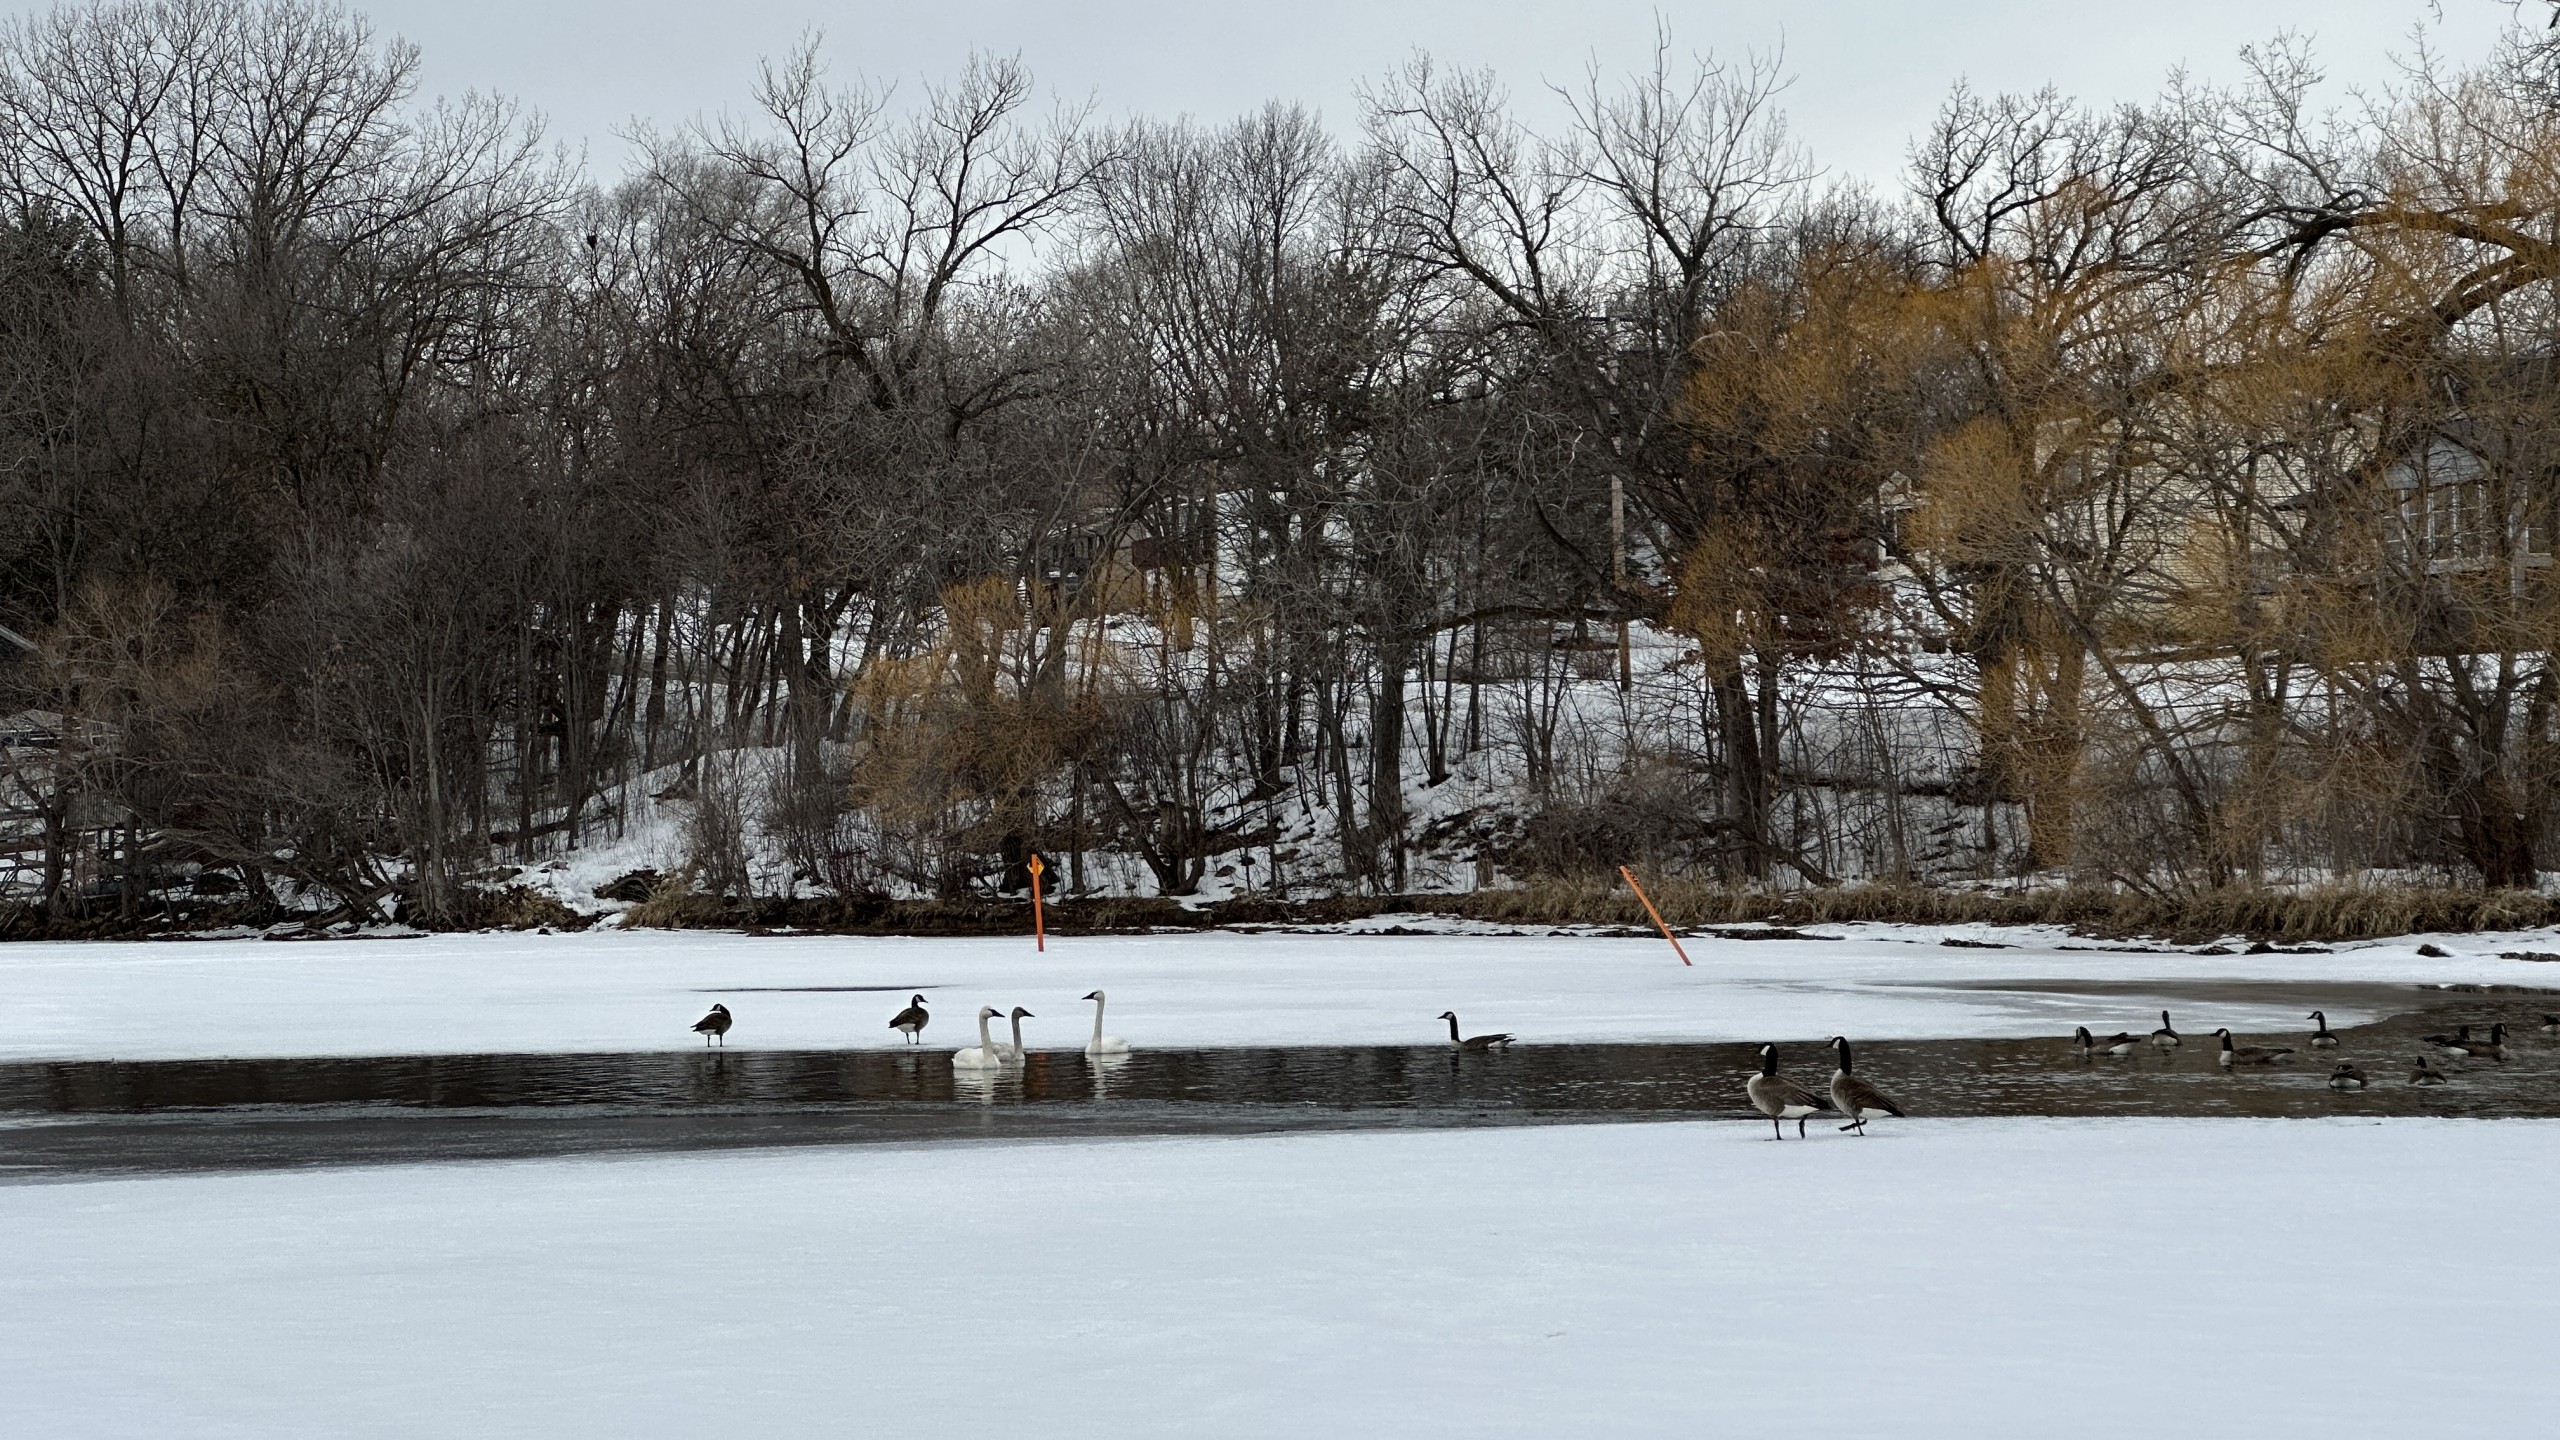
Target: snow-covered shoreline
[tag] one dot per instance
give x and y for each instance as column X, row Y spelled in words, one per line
column 1947, row 1278
column 626, row 990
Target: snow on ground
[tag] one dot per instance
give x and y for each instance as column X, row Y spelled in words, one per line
column 1946, row 1278
column 615, row 990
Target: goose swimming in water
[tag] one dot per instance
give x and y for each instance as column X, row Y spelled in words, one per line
column 986, row 1054
column 715, row 1024
column 1854, row 1097
column 2461, row 1036
column 2321, row 1039
column 911, row 1021
column 2493, row 1048
column 2426, row 1073
column 2551, row 1025
column 1780, row 1098
column 2346, row 1077
column 1474, row 1042
column 2251, row 1054
column 1102, row 1044
column 2119, row 1045
column 2166, row 1037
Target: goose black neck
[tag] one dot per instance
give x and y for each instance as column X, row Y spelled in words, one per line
column 1768, row 1060
column 1453, row 1026
column 1843, row 1047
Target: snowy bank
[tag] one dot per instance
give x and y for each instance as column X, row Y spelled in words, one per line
column 1948, row 1278
column 616, row 990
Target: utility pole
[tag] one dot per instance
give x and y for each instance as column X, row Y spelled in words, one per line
column 1618, row 574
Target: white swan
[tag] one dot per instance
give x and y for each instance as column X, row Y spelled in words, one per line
column 1103, row 1044
column 986, row 1054
column 1012, row 1054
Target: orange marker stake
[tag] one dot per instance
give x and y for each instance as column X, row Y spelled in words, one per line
column 1648, row 909
column 1039, row 924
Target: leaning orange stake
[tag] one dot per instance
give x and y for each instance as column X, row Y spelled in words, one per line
column 1640, row 895
column 1039, row 925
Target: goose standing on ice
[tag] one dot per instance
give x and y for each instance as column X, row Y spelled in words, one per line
column 2251, row 1054
column 1102, row 1044
column 1780, row 1098
column 1854, row 1097
column 2346, row 1077
column 2119, row 1045
column 2166, row 1037
column 911, row 1021
column 1473, row 1042
column 2322, row 1038
column 1013, row 1053
column 715, row 1024
column 986, row 1054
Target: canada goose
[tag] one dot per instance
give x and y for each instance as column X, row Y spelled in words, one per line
column 911, row 1021
column 2346, row 1077
column 1780, row 1098
column 2461, row 1036
column 986, row 1054
column 1013, row 1053
column 715, row 1024
column 2493, row 1048
column 2321, row 1039
column 2551, row 1024
column 2426, row 1073
column 1854, row 1097
column 2166, row 1037
column 2119, row 1044
column 2251, row 1054
column 1102, row 1044
column 1473, row 1042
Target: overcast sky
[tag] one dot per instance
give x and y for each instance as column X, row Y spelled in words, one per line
column 1868, row 73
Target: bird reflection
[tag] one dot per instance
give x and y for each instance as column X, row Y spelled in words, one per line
column 1106, row 1068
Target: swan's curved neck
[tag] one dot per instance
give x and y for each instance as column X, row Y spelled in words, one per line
column 1017, row 1032
column 984, row 1043
column 1097, row 1019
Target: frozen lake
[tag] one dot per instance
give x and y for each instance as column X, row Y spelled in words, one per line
column 492, row 1185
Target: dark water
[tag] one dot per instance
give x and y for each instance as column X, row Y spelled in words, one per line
column 64, row 1119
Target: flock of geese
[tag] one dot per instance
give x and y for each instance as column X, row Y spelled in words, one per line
column 1782, row 1099
column 1772, row 1094
column 2491, row 1045
column 993, row 1054
column 988, row 1054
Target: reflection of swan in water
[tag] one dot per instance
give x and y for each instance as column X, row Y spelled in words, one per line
column 1103, row 1044
column 977, row 1085
column 1106, row 1068
column 1012, row 1054
column 986, row 1054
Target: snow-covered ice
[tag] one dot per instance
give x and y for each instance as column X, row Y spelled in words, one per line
column 1947, row 1278
column 616, row 990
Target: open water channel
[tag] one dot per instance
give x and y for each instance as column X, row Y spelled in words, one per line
column 66, row 1119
